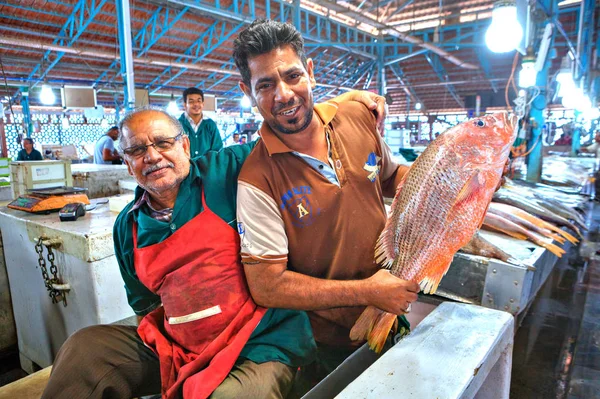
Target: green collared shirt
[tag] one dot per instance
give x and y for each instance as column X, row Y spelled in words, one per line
column 282, row 335
column 206, row 138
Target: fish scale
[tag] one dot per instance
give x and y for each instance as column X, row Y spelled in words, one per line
column 438, row 207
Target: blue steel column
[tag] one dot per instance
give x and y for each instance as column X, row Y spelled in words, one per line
column 26, row 112
column 536, row 114
column 126, row 53
column 381, row 83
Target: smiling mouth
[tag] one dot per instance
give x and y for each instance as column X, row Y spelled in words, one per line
column 290, row 111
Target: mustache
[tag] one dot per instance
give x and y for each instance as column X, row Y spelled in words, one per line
column 280, row 107
column 156, row 167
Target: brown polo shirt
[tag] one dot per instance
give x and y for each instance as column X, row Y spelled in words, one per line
column 289, row 212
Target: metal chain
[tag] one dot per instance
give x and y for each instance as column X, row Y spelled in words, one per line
column 55, row 295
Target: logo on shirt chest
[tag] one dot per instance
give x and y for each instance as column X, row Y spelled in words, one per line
column 297, row 203
column 372, row 167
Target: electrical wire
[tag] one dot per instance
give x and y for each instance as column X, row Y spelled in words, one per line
column 511, row 80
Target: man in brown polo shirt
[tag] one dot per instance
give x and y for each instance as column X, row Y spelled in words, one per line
column 310, row 196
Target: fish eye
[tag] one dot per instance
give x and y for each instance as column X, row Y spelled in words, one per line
column 480, row 123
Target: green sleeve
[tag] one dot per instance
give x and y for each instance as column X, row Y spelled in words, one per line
column 20, row 155
column 217, row 141
column 38, row 156
column 140, row 298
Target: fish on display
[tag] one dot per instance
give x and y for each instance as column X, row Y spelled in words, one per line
column 511, row 198
column 482, row 247
column 504, row 209
column 512, row 229
column 439, row 205
column 497, row 209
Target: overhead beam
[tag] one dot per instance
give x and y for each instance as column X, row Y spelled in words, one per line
column 440, row 71
column 313, row 26
column 82, row 15
column 217, row 34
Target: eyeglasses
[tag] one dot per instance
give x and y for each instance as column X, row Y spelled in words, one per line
column 163, row 145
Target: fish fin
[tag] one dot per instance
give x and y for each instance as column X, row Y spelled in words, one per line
column 429, row 284
column 469, row 190
column 363, row 326
column 385, row 248
column 380, row 331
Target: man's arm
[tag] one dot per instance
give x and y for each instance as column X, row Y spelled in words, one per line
column 273, row 285
column 109, row 155
column 20, row 155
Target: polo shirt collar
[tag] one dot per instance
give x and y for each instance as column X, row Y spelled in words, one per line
column 325, row 111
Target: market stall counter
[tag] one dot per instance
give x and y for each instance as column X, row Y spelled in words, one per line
column 88, row 288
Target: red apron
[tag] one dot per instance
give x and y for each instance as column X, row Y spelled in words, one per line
column 207, row 315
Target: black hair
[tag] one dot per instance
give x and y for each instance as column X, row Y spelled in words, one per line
column 192, row 90
column 261, row 37
column 28, row 139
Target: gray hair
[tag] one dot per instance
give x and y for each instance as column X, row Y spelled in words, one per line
column 124, row 123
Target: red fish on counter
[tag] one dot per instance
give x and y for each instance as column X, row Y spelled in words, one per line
column 439, row 205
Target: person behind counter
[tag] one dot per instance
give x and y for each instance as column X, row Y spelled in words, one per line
column 105, row 152
column 595, row 149
column 178, row 199
column 28, row 153
column 315, row 183
column 202, row 132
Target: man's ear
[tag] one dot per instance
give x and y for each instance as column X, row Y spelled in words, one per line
column 311, row 73
column 247, row 91
column 186, row 145
column 129, row 170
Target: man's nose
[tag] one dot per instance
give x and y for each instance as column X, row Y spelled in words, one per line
column 283, row 93
column 152, row 155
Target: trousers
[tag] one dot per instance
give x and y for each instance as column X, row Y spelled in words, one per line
column 111, row 361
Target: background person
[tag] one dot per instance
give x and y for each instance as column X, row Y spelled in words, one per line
column 28, row 153
column 202, row 132
column 105, row 152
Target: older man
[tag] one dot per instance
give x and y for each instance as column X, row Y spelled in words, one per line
column 315, row 183
column 178, row 249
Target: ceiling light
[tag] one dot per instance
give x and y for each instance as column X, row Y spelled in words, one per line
column 418, row 106
column 528, row 74
column 47, row 97
column 172, row 108
column 245, row 102
column 505, row 32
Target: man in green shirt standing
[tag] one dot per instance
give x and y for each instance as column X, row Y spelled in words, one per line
column 203, row 133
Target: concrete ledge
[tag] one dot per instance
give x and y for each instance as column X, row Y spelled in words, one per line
column 30, row 387
column 458, row 351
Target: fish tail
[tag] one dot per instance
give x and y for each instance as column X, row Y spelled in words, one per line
column 381, row 331
column 568, row 236
column 363, row 326
column 551, row 247
column 556, row 237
